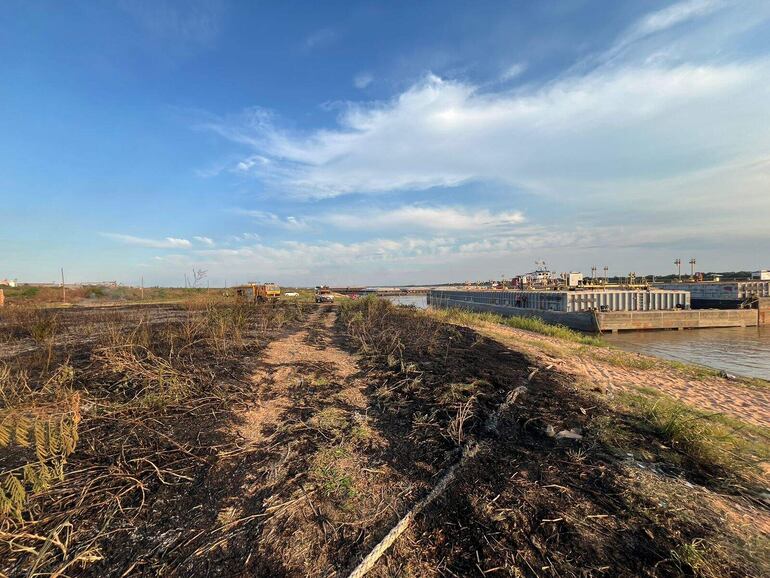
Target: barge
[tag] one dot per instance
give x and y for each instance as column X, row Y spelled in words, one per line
column 722, row 294
column 600, row 310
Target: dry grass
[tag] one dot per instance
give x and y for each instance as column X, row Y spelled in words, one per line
column 161, row 484
column 535, row 501
column 123, row 388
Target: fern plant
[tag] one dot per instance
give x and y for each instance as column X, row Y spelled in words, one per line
column 53, row 435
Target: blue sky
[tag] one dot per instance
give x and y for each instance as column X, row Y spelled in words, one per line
column 381, row 142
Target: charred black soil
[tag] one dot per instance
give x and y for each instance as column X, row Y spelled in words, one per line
column 287, row 441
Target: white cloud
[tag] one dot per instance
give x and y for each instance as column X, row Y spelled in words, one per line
column 320, row 38
column 664, row 109
column 165, row 243
column 248, row 163
column 273, row 220
column 302, row 257
column 413, row 217
column 445, row 133
column 675, row 14
column 363, row 80
column 205, row 240
column 647, row 144
column 419, row 218
column 513, row 71
column 308, row 261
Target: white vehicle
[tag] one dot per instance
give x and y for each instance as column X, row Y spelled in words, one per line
column 323, row 295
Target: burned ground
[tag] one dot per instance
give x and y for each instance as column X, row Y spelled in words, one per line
column 287, row 442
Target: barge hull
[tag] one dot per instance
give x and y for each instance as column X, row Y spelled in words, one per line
column 613, row 321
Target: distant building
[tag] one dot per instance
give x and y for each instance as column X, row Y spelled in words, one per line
column 763, row 275
column 574, row 279
column 8, row 282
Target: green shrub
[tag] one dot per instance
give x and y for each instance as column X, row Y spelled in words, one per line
column 533, row 324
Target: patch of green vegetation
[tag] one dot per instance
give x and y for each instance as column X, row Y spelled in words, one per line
column 320, row 381
column 612, row 433
column 692, row 370
column 96, row 292
column 537, row 325
column 331, row 421
column 331, row 471
column 631, row 361
column 23, row 292
column 696, row 558
column 712, row 440
column 628, row 360
column 361, row 432
column 754, row 382
column 455, row 392
column 43, row 327
column 533, row 324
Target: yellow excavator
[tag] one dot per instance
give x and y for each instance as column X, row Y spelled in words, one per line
column 258, row 293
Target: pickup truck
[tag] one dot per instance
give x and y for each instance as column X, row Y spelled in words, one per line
column 323, row 295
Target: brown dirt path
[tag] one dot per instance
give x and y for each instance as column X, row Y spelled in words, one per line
column 309, row 431
column 285, row 364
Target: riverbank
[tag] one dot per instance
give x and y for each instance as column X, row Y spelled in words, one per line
column 737, row 351
column 289, row 439
column 615, row 370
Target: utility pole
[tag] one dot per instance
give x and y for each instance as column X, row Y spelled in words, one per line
column 63, row 289
column 692, row 268
column 678, row 263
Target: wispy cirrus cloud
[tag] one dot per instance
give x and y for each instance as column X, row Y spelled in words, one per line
column 675, row 14
column 355, row 261
column 513, row 71
column 434, row 218
column 362, row 80
column 165, row 243
column 195, row 22
column 445, row 133
column 272, row 220
column 415, row 217
column 320, row 38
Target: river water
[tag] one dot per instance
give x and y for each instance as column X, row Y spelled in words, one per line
column 419, row 301
column 742, row 351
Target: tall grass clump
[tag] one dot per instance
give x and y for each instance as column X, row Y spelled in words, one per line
column 533, row 324
column 710, row 440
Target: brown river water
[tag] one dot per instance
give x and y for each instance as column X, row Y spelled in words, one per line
column 740, row 351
